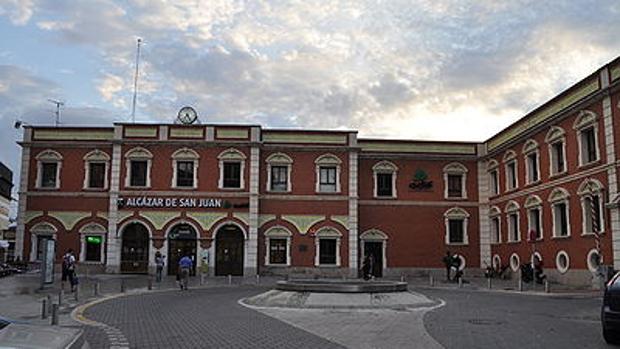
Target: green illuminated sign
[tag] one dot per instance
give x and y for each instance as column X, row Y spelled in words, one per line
column 94, row 240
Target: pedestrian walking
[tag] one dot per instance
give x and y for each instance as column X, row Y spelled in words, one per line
column 447, row 261
column 185, row 266
column 68, row 270
column 159, row 262
column 366, row 267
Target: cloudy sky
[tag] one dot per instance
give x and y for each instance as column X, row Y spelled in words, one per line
column 424, row 69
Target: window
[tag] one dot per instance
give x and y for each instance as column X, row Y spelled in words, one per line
column 93, row 243
column 185, row 163
column 530, row 150
column 38, row 233
column 454, row 181
column 48, row 169
column 587, row 129
column 593, row 260
column 328, row 173
column 384, row 176
column 591, row 193
column 557, row 150
column 232, row 165
column 277, row 251
column 562, row 262
column 96, row 169
column 495, row 222
column 327, row 247
column 138, row 164
column 232, row 175
column 93, row 248
column 559, row 209
column 278, row 245
column 96, row 175
column 533, row 204
column 185, row 174
column 279, row 167
column 512, row 211
column 492, row 168
column 511, row 175
column 515, row 262
column 327, row 178
column 456, row 226
column 557, row 157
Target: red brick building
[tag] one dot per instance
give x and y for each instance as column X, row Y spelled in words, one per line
column 247, row 199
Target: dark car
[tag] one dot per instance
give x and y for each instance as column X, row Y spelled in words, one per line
column 610, row 312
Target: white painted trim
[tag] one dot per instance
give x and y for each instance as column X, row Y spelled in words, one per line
column 270, row 234
column 540, row 221
column 591, row 267
column 585, row 120
column 512, row 231
column 138, row 154
column 457, row 169
column 565, row 268
column 553, row 159
column 515, row 262
column 327, row 233
column 327, row 160
column 388, row 167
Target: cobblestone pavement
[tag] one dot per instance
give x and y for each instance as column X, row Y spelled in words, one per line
column 479, row 319
column 198, row 318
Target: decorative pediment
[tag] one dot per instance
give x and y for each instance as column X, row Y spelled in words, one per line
column 455, row 167
column 456, row 212
column 49, row 155
column 185, row 154
column 138, row 153
column 231, row 154
column 494, row 211
column 585, row 118
column 555, row 133
column 492, row 165
column 278, row 232
column 328, row 232
column 509, row 155
column 97, row 155
column 532, row 201
column 558, row 194
column 530, row 146
column 279, row 158
column 43, row 228
column 93, row 228
column 384, row 166
column 373, row 235
column 328, row 159
column 512, row 206
column 590, row 186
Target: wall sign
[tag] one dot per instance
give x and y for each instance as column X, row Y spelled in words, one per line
column 420, row 181
column 176, row 202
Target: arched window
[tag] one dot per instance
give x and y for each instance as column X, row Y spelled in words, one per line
column 49, row 163
column 278, row 246
column 138, row 164
column 455, row 178
column 533, row 205
column 384, row 178
column 96, row 165
column 493, row 170
column 185, row 163
column 532, row 161
column 327, row 169
column 495, row 218
column 279, row 167
column 512, row 217
column 232, row 168
column 38, row 233
column 560, row 212
column 510, row 165
column 92, row 238
column 556, row 140
column 586, row 126
column 592, row 209
column 456, row 220
column 327, row 247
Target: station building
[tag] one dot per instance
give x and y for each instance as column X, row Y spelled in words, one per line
column 251, row 200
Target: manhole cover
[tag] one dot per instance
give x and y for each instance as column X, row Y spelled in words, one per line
column 485, row 322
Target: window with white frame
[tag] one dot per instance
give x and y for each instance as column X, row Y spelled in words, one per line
column 185, row 163
column 96, row 169
column 232, row 169
column 279, row 167
column 92, row 238
column 138, row 166
column 496, row 225
column 456, row 220
column 327, row 173
column 560, row 211
column 556, row 140
column 587, row 137
column 533, row 205
column 512, row 217
column 510, row 164
column 562, row 262
column 384, row 178
column 38, row 233
column 532, row 161
column 493, row 169
column 327, row 247
column 278, row 246
column 455, row 177
column 49, row 163
column 591, row 193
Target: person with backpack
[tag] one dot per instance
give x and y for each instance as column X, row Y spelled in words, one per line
column 68, row 270
column 185, row 267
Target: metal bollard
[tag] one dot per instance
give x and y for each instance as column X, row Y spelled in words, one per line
column 460, row 282
column 431, row 280
column 76, row 293
column 229, row 279
column 44, row 309
column 60, row 296
column 96, row 289
column 150, row 284
column 489, row 283
column 547, row 290
column 257, row 279
column 54, row 314
column 520, row 285
column 49, row 303
column 402, row 278
column 122, row 285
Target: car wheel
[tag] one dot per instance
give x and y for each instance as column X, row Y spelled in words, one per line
column 610, row 336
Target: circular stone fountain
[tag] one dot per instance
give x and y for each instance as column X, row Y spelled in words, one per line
column 341, row 286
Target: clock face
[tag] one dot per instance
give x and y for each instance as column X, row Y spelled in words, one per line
column 187, row 115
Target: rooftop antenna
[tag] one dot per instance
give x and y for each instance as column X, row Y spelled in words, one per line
column 57, row 112
column 135, row 83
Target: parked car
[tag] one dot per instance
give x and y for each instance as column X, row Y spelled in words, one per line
column 15, row 334
column 610, row 312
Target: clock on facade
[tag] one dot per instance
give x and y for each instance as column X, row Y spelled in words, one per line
column 187, row 115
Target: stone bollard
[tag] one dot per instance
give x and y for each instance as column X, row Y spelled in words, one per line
column 122, row 285
column 460, row 282
column 150, row 284
column 257, row 279
column 489, row 283
column 547, row 290
column 49, row 303
column 44, row 309
column 520, row 285
column 60, row 296
column 431, row 280
column 229, row 279
column 54, row 314
column 76, row 293
column 402, row 278
column 96, row 289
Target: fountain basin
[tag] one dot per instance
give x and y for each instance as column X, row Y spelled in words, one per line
column 341, row 286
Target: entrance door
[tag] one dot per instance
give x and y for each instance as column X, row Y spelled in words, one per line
column 229, row 251
column 375, row 249
column 181, row 242
column 135, row 249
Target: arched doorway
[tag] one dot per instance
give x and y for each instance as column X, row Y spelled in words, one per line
column 374, row 243
column 135, row 249
column 181, row 242
column 229, row 245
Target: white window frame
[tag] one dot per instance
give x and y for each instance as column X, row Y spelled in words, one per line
column 585, row 120
column 138, row 154
column 331, row 234
column 509, row 158
column 279, row 159
column 559, row 195
column 515, row 262
column 588, row 189
column 564, row 269
column 456, row 213
column 534, row 202
column 374, row 235
column 278, row 232
column 495, row 214
column 41, row 229
column 554, row 136
column 388, row 167
column 232, row 155
column 92, row 229
column 48, row 156
column 493, row 171
column 96, row 157
column 531, row 148
column 185, row 155
column 591, row 267
column 512, row 208
column 455, row 169
column 327, row 160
